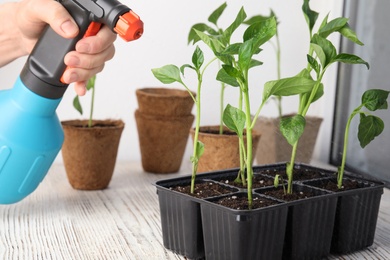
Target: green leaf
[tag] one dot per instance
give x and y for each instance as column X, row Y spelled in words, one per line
column 91, row 83
column 324, row 22
column 183, row 67
column 348, row 33
column 193, row 36
column 213, row 42
column 369, row 128
column 234, row 119
column 310, row 15
column 287, row 87
column 77, row 105
column 232, row 49
column 167, row 74
column 320, row 53
column 232, row 72
column 260, row 32
column 374, row 99
column 200, row 149
column 255, row 63
column 245, row 54
column 314, row 64
column 276, row 180
column 333, row 26
column 197, row 58
column 216, row 14
column 198, row 153
column 256, row 19
column 350, row 59
column 226, row 78
column 292, row 128
column 240, row 18
column 327, row 48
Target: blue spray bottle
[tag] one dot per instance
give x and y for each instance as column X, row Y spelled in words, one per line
column 30, row 132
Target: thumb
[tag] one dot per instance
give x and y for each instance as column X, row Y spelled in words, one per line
column 59, row 19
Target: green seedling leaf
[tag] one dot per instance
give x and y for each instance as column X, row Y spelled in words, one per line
column 91, row 83
column 350, row 59
column 287, row 87
column 260, row 32
column 327, row 52
column 310, row 15
column 255, row 63
column 320, row 53
column 369, row 127
column 257, row 18
column 234, row 119
column 324, row 22
column 245, row 54
column 212, row 41
column 216, row 14
column 292, row 128
column 232, row 72
column 202, row 27
column 226, row 78
column 168, row 74
column 276, row 180
column 314, row 64
column 199, row 152
column 197, row 58
column 240, row 18
column 77, row 105
column 350, row 34
column 333, row 26
column 232, row 49
column 183, row 67
column 374, row 99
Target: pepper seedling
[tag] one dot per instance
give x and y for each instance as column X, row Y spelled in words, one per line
column 76, row 101
column 370, row 126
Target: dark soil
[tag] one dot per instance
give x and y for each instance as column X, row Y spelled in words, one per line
column 216, row 132
column 258, row 181
column 204, row 190
column 298, row 174
column 241, row 202
column 296, row 195
column 331, row 185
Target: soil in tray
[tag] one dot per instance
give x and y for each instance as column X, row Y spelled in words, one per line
column 241, row 202
column 203, row 190
column 331, row 185
column 295, row 195
column 298, row 174
column 258, row 181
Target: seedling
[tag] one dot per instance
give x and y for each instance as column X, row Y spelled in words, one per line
column 171, row 73
column 370, row 126
column 77, row 104
column 322, row 54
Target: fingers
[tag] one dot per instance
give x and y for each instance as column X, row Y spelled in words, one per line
column 89, row 58
column 41, row 12
column 97, row 43
column 80, row 88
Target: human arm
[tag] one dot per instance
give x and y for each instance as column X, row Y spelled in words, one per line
column 21, row 24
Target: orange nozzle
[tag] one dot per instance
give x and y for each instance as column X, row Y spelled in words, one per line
column 129, row 26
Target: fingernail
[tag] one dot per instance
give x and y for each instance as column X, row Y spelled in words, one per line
column 83, row 47
column 69, row 28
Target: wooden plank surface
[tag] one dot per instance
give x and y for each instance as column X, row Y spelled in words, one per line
column 121, row 222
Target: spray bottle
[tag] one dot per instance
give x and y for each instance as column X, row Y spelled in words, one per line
column 30, row 132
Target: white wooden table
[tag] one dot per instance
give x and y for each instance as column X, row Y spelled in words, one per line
column 121, row 222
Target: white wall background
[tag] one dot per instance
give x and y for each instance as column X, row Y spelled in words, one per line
column 167, row 24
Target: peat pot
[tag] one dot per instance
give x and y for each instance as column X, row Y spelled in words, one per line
column 89, row 153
